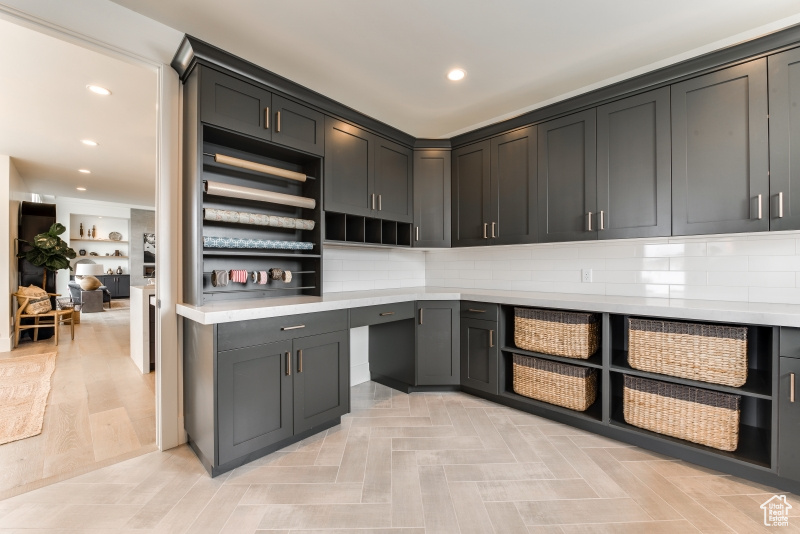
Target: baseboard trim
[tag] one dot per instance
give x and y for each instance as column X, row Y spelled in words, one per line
column 6, row 344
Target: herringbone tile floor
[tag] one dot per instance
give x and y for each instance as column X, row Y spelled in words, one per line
column 443, row 462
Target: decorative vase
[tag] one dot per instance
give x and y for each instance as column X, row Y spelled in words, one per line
column 82, row 252
column 94, row 231
column 81, row 231
column 89, row 283
column 119, row 270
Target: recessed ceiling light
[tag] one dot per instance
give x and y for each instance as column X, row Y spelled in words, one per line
column 456, row 75
column 81, row 188
column 98, row 90
column 89, row 142
column 85, row 171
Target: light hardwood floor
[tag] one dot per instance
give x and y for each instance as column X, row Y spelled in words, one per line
column 408, row 464
column 100, row 410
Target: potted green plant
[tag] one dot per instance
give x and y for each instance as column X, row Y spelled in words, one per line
column 48, row 250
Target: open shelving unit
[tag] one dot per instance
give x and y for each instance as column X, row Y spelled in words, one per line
column 345, row 228
column 305, row 265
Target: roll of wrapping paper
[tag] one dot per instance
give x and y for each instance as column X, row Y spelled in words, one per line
column 235, row 191
column 259, row 219
column 259, row 167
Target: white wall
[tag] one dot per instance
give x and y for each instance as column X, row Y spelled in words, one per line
column 757, row 267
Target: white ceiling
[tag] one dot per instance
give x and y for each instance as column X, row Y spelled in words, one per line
column 45, row 111
column 388, row 59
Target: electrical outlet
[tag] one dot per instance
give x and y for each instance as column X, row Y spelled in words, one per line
column 586, row 275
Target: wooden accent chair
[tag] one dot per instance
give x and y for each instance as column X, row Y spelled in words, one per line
column 55, row 319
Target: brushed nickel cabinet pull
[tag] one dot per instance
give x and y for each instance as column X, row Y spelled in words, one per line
column 293, row 327
column 417, row 233
column 759, row 206
column 373, row 200
column 288, row 364
column 485, row 227
column 384, row 314
column 493, row 225
column 602, row 221
column 491, row 338
column 476, row 311
column 589, row 218
column 266, row 118
column 278, row 122
column 379, row 203
column 780, row 204
column 420, row 316
column 791, row 387
column 299, row 361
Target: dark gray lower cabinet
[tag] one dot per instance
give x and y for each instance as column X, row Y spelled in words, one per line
column 479, row 354
column 437, row 351
column 254, row 399
column 789, row 419
column 321, row 379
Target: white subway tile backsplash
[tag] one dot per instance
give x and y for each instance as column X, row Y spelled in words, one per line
column 755, row 267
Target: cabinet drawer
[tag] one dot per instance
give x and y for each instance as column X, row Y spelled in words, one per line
column 260, row 331
column 478, row 310
column 384, row 313
column 790, row 342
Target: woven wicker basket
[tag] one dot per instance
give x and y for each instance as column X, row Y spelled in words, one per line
column 570, row 386
column 705, row 352
column 698, row 415
column 569, row 334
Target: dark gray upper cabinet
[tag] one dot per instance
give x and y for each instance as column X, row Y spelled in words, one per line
column 231, row 103
column 471, row 195
column 789, row 419
column 568, row 178
column 437, row 343
column 321, row 379
column 254, row 398
column 432, row 198
column 513, row 188
column 784, row 140
column 297, row 126
column 633, row 167
column 393, row 181
column 349, row 168
column 720, row 165
column 479, row 354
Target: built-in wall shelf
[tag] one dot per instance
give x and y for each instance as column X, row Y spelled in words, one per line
column 96, row 240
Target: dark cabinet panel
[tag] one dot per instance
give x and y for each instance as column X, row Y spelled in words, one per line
column 321, row 379
column 784, row 140
column 633, row 167
column 234, row 104
column 119, row 285
column 471, row 204
column 789, row 420
column 393, row 181
column 298, row 126
column 437, row 343
column 432, row 198
column 254, row 398
column 479, row 354
column 720, row 152
column 568, row 178
column 514, row 188
column 349, row 168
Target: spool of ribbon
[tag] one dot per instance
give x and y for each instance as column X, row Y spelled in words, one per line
column 239, row 276
column 263, row 277
column 219, row 278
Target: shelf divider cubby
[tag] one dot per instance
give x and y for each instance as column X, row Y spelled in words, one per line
column 372, row 231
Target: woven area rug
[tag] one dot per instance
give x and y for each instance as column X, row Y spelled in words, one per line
column 24, row 386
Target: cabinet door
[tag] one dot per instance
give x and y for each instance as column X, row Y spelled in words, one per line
column 437, row 343
column 432, row 198
column 234, row 104
column 393, row 181
column 634, row 167
column 720, row 152
column 784, row 140
column 471, row 182
column 123, row 286
column 321, row 379
column 789, row 419
column 479, row 354
column 254, row 398
column 568, row 178
column 349, row 168
column 514, row 188
column 298, row 126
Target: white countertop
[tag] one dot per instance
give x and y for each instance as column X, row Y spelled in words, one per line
column 708, row 310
